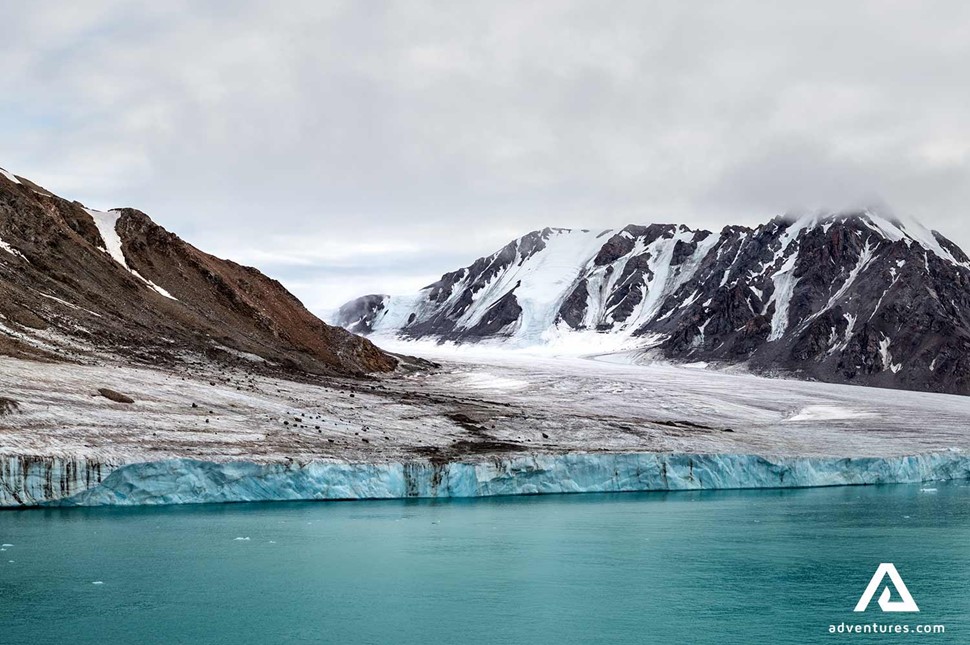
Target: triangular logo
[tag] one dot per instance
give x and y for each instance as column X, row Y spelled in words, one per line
column 906, row 602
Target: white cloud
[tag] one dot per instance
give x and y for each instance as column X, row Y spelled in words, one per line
column 406, row 138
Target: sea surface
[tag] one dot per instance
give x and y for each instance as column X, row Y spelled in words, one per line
column 770, row 566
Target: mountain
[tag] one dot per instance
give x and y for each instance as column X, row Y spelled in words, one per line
column 77, row 283
column 859, row 297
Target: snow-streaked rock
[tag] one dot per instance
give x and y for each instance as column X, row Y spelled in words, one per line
column 9, row 176
column 107, row 223
column 863, row 297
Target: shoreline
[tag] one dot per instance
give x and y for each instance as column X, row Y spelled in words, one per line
column 62, row 482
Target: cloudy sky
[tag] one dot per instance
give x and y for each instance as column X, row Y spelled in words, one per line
column 356, row 147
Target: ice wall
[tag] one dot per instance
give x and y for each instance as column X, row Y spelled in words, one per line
column 184, row 481
column 28, row 481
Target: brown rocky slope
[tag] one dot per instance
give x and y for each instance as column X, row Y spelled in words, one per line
column 77, row 283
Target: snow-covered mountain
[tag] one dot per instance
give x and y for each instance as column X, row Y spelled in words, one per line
column 76, row 283
column 858, row 297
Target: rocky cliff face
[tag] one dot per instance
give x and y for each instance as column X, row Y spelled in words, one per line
column 76, row 282
column 851, row 297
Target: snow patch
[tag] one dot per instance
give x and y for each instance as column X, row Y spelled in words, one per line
column 9, row 176
column 539, row 282
column 107, row 223
column 9, row 249
column 829, row 413
column 887, row 357
column 785, row 282
column 910, row 230
column 489, row 381
column 864, row 259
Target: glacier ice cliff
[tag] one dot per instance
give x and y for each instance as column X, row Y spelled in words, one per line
column 30, row 480
column 50, row 481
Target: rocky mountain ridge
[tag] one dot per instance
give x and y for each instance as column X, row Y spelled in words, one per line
column 858, row 297
column 77, row 283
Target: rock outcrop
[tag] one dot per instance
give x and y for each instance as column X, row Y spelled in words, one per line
column 76, row 282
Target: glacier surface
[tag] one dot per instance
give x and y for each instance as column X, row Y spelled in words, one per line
column 187, row 481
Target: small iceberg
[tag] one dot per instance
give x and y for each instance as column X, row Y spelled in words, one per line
column 241, row 539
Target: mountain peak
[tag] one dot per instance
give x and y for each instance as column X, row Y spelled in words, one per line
column 861, row 296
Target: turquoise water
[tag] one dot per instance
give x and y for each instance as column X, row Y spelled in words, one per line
column 714, row 567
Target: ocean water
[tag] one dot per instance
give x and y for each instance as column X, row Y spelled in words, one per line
column 770, row 566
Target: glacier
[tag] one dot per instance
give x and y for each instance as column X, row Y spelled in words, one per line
column 78, row 482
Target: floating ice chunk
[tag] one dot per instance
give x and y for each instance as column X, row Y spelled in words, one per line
column 97, row 582
column 6, row 545
column 927, row 490
column 239, row 539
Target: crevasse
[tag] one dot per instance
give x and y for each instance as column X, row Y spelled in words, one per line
column 76, row 482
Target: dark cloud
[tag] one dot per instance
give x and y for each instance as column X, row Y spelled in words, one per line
column 348, row 147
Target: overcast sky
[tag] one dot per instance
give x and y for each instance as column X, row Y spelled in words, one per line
column 365, row 146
